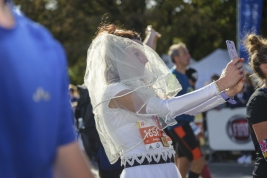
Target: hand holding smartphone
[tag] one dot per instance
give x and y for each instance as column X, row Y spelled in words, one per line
column 233, row 53
column 231, row 49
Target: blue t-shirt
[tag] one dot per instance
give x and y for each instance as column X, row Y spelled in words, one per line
column 186, row 88
column 35, row 112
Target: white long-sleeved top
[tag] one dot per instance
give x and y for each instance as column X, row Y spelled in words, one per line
column 118, row 130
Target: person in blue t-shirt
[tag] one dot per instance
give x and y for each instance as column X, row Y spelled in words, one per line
column 184, row 140
column 36, row 121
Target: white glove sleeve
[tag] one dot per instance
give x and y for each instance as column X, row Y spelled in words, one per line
column 192, row 103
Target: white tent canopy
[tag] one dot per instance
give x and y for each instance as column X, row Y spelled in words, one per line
column 212, row 64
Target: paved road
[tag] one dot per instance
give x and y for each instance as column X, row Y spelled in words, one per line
column 223, row 170
column 231, row 170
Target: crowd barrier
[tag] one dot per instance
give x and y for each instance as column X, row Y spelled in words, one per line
column 228, row 130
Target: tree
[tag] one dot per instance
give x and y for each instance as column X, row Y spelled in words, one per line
column 74, row 23
column 203, row 25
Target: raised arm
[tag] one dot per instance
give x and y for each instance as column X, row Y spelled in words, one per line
column 151, row 37
column 216, row 100
column 231, row 79
column 191, row 103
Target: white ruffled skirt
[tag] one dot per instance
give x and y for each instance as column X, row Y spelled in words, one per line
column 165, row 170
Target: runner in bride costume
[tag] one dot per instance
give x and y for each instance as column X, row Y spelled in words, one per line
column 132, row 94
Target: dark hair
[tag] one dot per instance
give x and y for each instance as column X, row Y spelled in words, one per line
column 190, row 74
column 215, row 77
column 257, row 49
column 72, row 88
column 113, row 29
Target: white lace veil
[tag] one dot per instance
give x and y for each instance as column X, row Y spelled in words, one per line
column 117, row 60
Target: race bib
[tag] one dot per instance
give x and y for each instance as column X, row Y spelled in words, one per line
column 153, row 136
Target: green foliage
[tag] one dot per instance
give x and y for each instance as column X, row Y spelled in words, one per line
column 203, row 25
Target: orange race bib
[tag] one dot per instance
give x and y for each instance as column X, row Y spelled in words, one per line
column 153, row 136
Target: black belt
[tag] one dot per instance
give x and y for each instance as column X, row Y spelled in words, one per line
column 146, row 162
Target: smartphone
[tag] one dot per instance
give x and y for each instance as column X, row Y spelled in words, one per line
column 231, row 49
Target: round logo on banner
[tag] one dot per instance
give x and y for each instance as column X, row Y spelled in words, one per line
column 238, row 129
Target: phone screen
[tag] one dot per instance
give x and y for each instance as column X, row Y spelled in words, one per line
column 231, row 49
